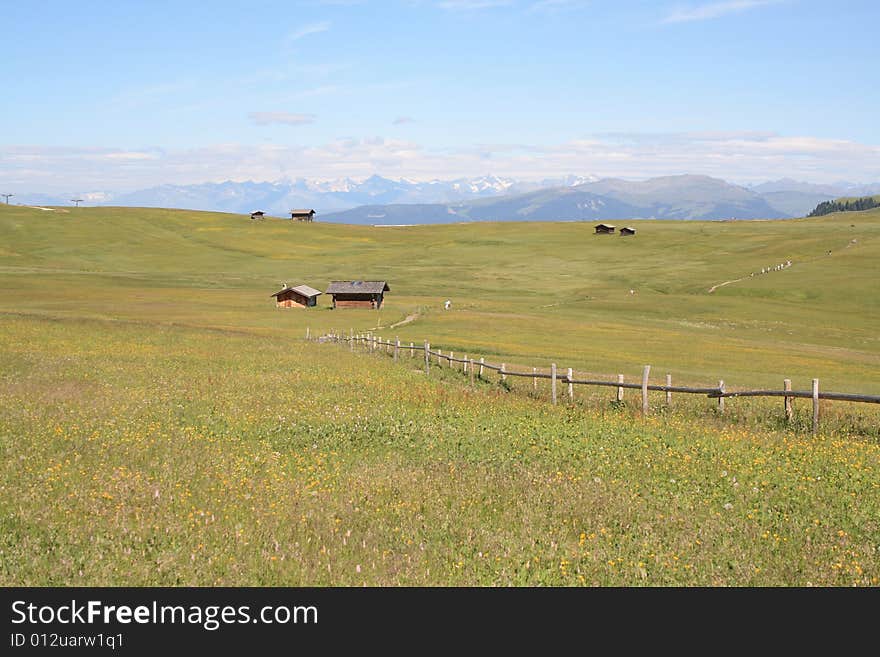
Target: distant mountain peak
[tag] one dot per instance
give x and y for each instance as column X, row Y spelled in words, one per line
column 688, row 195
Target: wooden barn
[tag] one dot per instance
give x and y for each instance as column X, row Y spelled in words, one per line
column 358, row 294
column 627, row 231
column 302, row 215
column 301, row 296
column 604, row 229
column 257, row 214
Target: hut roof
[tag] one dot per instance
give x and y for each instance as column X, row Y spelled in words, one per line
column 304, row 290
column 358, row 287
column 302, row 211
column 257, row 212
column 628, row 229
column 605, row 226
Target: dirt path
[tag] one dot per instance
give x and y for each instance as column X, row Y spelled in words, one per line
column 715, row 287
column 409, row 318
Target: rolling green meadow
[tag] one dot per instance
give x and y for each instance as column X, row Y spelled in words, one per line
column 162, row 423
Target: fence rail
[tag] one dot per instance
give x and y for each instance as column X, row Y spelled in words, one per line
column 475, row 368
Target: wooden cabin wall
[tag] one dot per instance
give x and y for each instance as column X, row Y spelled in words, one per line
column 354, row 303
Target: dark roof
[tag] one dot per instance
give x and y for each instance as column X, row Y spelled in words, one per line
column 628, row 229
column 358, row 287
column 304, row 290
column 302, row 212
column 258, row 212
column 605, row 226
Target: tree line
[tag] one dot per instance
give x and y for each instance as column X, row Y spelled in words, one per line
column 845, row 205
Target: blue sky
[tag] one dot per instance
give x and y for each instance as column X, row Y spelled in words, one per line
column 124, row 95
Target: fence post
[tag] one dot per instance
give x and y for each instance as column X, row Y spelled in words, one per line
column 619, row 388
column 308, row 333
column 427, row 358
column 535, row 379
column 815, row 406
column 786, row 385
column 482, row 362
column 439, row 358
column 451, row 359
column 570, row 385
column 396, row 349
column 471, row 370
column 645, row 373
column 503, row 375
column 465, row 364
column 721, row 399
column 553, row 381
column 351, row 340
column 412, row 350
column 668, row 392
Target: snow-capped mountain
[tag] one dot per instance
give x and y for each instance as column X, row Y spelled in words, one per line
column 278, row 197
column 694, row 196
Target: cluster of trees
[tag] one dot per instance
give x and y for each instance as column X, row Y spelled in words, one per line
column 846, row 205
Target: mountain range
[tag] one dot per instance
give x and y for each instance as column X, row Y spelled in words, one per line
column 669, row 197
column 379, row 200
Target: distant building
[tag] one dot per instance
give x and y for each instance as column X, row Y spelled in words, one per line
column 626, row 230
column 301, row 296
column 302, row 215
column 257, row 214
column 604, row 229
column 358, row 294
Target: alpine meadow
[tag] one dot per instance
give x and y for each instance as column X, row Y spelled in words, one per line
column 163, row 423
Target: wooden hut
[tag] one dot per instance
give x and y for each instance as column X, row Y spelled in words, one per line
column 301, row 296
column 302, row 215
column 604, row 229
column 358, row 294
column 627, row 231
column 257, row 214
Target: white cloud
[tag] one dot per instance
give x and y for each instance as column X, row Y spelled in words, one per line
column 306, row 30
column 131, row 155
column 283, row 118
column 735, row 156
column 707, row 11
column 401, row 120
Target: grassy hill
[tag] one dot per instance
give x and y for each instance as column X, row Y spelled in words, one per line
column 846, row 204
column 523, row 292
column 162, row 423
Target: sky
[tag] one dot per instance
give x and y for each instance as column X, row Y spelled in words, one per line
column 126, row 95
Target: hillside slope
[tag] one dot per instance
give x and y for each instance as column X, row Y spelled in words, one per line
column 162, row 423
column 522, row 292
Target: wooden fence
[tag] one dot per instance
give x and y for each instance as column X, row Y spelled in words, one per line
column 474, row 368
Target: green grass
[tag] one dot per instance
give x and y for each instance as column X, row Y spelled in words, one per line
column 527, row 293
column 162, row 423
column 173, row 456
